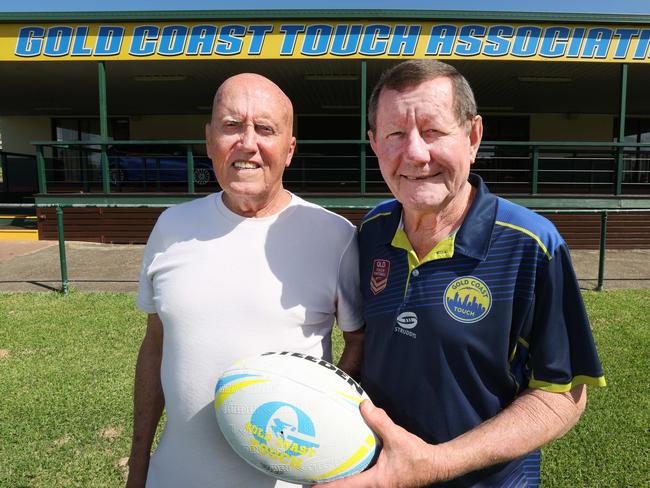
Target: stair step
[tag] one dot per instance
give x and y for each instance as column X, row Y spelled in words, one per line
column 18, row 235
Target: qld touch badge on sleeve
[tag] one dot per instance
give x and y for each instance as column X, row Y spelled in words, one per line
column 379, row 277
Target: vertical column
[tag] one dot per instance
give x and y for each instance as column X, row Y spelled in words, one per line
column 62, row 259
column 362, row 138
column 189, row 158
column 621, row 131
column 601, row 250
column 103, row 125
column 535, row 170
column 40, row 168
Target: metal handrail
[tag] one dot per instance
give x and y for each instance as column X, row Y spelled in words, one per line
column 166, row 142
column 64, row 267
column 537, row 154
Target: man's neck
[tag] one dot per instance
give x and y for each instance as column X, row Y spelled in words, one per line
column 426, row 229
column 256, row 207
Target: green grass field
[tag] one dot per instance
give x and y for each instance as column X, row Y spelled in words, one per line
column 66, row 367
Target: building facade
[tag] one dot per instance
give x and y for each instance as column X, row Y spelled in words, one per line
column 108, row 108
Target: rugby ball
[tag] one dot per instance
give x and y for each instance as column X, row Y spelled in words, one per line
column 295, row 417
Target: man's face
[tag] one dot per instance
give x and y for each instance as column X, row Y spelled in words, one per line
column 424, row 152
column 249, row 139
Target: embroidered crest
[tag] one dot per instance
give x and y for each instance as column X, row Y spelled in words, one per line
column 468, row 299
column 379, row 277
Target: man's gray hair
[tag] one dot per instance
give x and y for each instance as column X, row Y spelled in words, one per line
column 411, row 73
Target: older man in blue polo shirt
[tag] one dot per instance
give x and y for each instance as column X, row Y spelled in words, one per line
column 477, row 344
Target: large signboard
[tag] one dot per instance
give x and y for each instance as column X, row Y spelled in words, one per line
column 325, row 39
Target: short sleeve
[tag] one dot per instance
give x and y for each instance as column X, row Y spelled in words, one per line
column 348, row 293
column 145, row 298
column 562, row 349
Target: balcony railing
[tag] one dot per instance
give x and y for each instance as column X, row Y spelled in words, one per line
column 345, row 167
column 64, row 267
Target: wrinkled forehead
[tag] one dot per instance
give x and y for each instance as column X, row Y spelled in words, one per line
column 252, row 98
column 439, row 89
column 431, row 97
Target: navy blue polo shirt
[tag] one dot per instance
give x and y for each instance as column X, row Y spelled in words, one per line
column 451, row 339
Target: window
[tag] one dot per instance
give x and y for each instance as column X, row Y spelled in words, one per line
column 636, row 159
column 325, row 167
column 80, row 167
column 505, row 168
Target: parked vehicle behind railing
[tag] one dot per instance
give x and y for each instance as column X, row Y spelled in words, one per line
column 147, row 164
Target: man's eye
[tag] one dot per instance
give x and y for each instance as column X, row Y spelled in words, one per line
column 396, row 134
column 265, row 129
column 231, row 124
column 431, row 134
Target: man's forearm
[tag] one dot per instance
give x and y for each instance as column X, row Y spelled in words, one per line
column 148, row 402
column 534, row 419
column 352, row 355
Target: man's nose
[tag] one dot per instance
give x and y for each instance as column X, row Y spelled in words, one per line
column 248, row 138
column 417, row 150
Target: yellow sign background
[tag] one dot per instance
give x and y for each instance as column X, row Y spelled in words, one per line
column 325, row 39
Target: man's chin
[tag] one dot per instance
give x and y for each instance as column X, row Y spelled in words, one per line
column 245, row 189
column 425, row 203
column 423, row 199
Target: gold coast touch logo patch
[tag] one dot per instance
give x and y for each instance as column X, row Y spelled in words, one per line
column 468, row 299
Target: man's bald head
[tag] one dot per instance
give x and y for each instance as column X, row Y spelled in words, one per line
column 255, row 82
column 250, row 143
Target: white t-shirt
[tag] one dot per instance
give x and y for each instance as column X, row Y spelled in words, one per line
column 227, row 287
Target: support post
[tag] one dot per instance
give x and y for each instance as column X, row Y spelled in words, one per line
column 621, row 132
column 362, row 152
column 103, row 126
column 62, row 259
column 40, row 169
column 535, row 176
column 190, row 169
column 601, row 257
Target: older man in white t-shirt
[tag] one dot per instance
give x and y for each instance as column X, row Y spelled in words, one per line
column 244, row 271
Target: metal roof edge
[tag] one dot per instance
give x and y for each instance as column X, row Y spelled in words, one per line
column 425, row 15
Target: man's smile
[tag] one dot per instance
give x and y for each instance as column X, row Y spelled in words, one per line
column 245, row 165
column 421, row 177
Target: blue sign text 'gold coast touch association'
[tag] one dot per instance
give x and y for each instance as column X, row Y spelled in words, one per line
column 328, row 40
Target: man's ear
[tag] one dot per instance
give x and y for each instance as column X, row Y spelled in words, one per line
column 371, row 138
column 475, row 136
column 292, row 149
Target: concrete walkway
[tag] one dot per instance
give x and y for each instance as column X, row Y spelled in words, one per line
column 34, row 266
